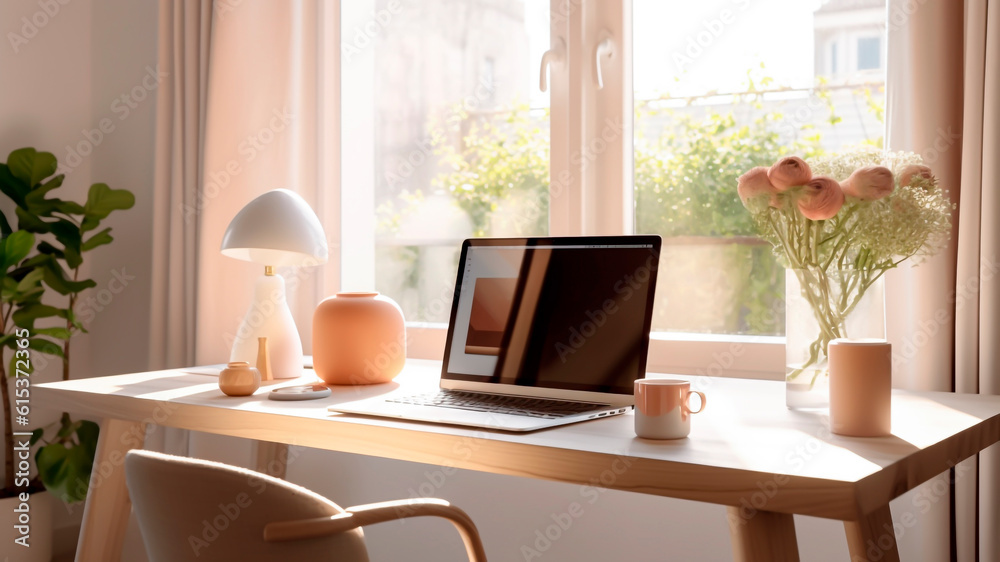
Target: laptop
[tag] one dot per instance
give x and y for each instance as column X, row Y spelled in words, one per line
column 543, row 332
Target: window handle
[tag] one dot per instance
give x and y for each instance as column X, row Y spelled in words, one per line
column 605, row 48
column 551, row 59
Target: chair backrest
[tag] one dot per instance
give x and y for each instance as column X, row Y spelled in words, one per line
column 191, row 509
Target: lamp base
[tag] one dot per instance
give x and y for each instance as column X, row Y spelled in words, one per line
column 270, row 317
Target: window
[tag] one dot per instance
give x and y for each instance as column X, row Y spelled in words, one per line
column 869, row 53
column 461, row 142
column 652, row 110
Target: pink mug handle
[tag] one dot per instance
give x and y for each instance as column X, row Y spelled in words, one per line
column 687, row 401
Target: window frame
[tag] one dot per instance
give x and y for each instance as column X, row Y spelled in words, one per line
column 591, row 135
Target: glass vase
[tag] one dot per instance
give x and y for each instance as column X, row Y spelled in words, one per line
column 821, row 306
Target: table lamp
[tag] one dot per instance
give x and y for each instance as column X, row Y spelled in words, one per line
column 276, row 229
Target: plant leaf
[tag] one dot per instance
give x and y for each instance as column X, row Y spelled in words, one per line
column 5, row 228
column 101, row 238
column 65, row 471
column 29, row 281
column 46, row 248
column 87, row 433
column 36, row 436
column 16, row 248
column 101, row 201
column 45, row 346
column 37, row 194
column 11, row 186
column 68, row 207
column 59, row 333
column 25, row 316
column 56, row 278
column 31, row 166
column 36, row 203
column 71, row 237
column 30, row 222
column 9, row 292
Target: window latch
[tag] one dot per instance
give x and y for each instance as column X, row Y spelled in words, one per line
column 605, row 48
column 551, row 59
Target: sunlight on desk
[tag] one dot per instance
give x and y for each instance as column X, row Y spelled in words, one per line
column 784, row 443
column 923, row 422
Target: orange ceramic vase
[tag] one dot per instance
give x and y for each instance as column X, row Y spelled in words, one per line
column 358, row 338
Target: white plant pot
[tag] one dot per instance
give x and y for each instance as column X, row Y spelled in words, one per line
column 39, row 523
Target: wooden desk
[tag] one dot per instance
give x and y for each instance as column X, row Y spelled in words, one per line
column 746, row 450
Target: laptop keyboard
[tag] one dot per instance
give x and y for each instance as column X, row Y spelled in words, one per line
column 499, row 403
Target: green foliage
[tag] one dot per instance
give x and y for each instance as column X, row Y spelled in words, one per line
column 64, row 464
column 56, row 230
column 685, row 180
column 498, row 173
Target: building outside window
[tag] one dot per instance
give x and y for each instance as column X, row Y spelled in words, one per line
column 869, row 53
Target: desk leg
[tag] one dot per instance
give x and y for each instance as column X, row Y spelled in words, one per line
column 271, row 458
column 872, row 538
column 765, row 537
column 106, row 514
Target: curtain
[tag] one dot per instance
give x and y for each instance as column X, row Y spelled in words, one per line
column 943, row 83
column 184, row 45
column 264, row 131
column 977, row 291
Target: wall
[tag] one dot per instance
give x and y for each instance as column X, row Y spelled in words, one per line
column 65, row 65
column 86, row 66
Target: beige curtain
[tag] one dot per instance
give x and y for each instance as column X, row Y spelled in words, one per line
column 924, row 115
column 184, row 44
column 977, row 292
column 943, row 86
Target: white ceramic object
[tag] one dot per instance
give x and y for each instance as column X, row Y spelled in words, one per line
column 663, row 408
column 270, row 317
column 277, row 228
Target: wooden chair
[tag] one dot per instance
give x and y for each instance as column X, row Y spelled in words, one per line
column 191, row 509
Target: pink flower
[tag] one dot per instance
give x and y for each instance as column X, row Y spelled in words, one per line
column 869, row 183
column 788, row 172
column 913, row 171
column 755, row 184
column 821, row 198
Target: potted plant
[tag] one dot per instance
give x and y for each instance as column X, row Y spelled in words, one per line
column 40, row 284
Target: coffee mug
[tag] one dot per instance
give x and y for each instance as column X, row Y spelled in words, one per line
column 662, row 408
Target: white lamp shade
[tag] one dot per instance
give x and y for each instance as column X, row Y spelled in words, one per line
column 278, row 228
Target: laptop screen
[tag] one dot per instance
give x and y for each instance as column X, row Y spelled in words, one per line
column 562, row 313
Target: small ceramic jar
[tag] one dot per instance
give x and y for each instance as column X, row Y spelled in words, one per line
column 239, row 379
column 358, row 338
